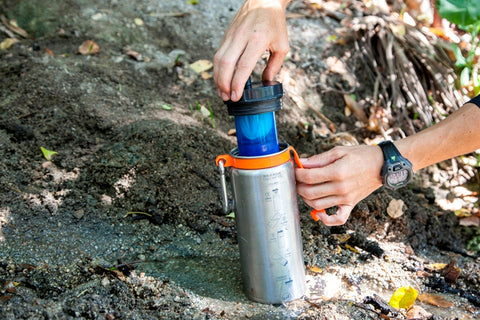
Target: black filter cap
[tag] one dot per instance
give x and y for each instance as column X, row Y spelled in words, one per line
column 258, row 97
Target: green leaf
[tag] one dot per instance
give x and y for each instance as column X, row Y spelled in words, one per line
column 460, row 59
column 166, row 107
column 48, row 154
column 464, row 13
column 403, row 298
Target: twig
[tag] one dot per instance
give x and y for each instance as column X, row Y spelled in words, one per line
column 13, row 187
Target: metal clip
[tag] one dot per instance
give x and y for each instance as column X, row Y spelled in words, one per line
column 223, row 186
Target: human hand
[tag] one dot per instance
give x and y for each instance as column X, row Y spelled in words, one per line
column 259, row 25
column 339, row 177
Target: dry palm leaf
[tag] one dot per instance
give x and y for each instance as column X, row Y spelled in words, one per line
column 411, row 69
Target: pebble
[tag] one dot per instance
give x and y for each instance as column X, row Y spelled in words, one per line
column 105, row 282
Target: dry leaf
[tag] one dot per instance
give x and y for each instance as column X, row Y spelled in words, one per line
column 205, row 75
column 50, row 52
column 7, row 43
column 349, row 247
column 13, row 26
column 88, row 47
column 355, row 107
column 450, row 272
column 232, row 132
column 138, row 22
column 200, row 66
column 417, row 312
column 395, row 208
column 315, row 269
column 134, row 55
column 435, row 300
column 470, row 221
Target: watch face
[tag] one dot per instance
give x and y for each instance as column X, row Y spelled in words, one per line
column 398, row 177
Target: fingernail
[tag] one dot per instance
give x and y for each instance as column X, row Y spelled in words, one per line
column 234, row 96
column 224, row 96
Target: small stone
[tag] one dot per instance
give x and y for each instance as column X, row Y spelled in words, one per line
column 78, row 214
column 105, row 282
column 395, row 208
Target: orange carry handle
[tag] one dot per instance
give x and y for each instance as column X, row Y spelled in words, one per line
column 264, row 162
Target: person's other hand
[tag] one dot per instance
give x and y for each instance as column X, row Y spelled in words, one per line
column 258, row 26
column 339, row 177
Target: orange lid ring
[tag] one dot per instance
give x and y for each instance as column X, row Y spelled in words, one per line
column 261, row 162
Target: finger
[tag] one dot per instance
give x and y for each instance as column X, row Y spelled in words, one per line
column 322, row 159
column 316, row 175
column 274, row 64
column 224, row 65
column 322, row 203
column 245, row 66
column 316, row 191
column 337, row 219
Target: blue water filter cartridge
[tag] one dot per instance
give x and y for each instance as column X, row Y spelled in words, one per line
column 255, row 118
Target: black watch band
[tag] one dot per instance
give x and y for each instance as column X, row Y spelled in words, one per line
column 396, row 170
column 390, row 152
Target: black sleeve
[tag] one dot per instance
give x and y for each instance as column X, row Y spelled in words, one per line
column 475, row 100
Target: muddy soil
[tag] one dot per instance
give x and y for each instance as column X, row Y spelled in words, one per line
column 125, row 222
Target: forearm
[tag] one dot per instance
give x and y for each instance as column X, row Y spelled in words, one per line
column 456, row 135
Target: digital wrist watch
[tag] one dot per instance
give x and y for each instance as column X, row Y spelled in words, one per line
column 396, row 170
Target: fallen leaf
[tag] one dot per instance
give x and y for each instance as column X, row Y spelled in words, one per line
column 88, row 47
column 437, row 266
column 349, row 247
column 13, row 26
column 48, row 154
column 166, row 107
column 403, row 298
column 417, row 312
column 205, row 75
column 232, row 132
column 49, row 52
column 355, row 107
column 138, row 22
column 200, row 66
column 315, row 269
column 134, row 55
column 450, row 272
column 7, row 43
column 395, row 208
column 435, row 300
column 470, row 221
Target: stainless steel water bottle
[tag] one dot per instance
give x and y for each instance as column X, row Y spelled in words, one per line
column 265, row 205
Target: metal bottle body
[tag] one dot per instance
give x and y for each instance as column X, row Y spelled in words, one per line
column 269, row 236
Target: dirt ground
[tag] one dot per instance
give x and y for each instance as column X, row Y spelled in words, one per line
column 125, row 222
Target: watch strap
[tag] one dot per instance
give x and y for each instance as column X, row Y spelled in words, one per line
column 390, row 151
